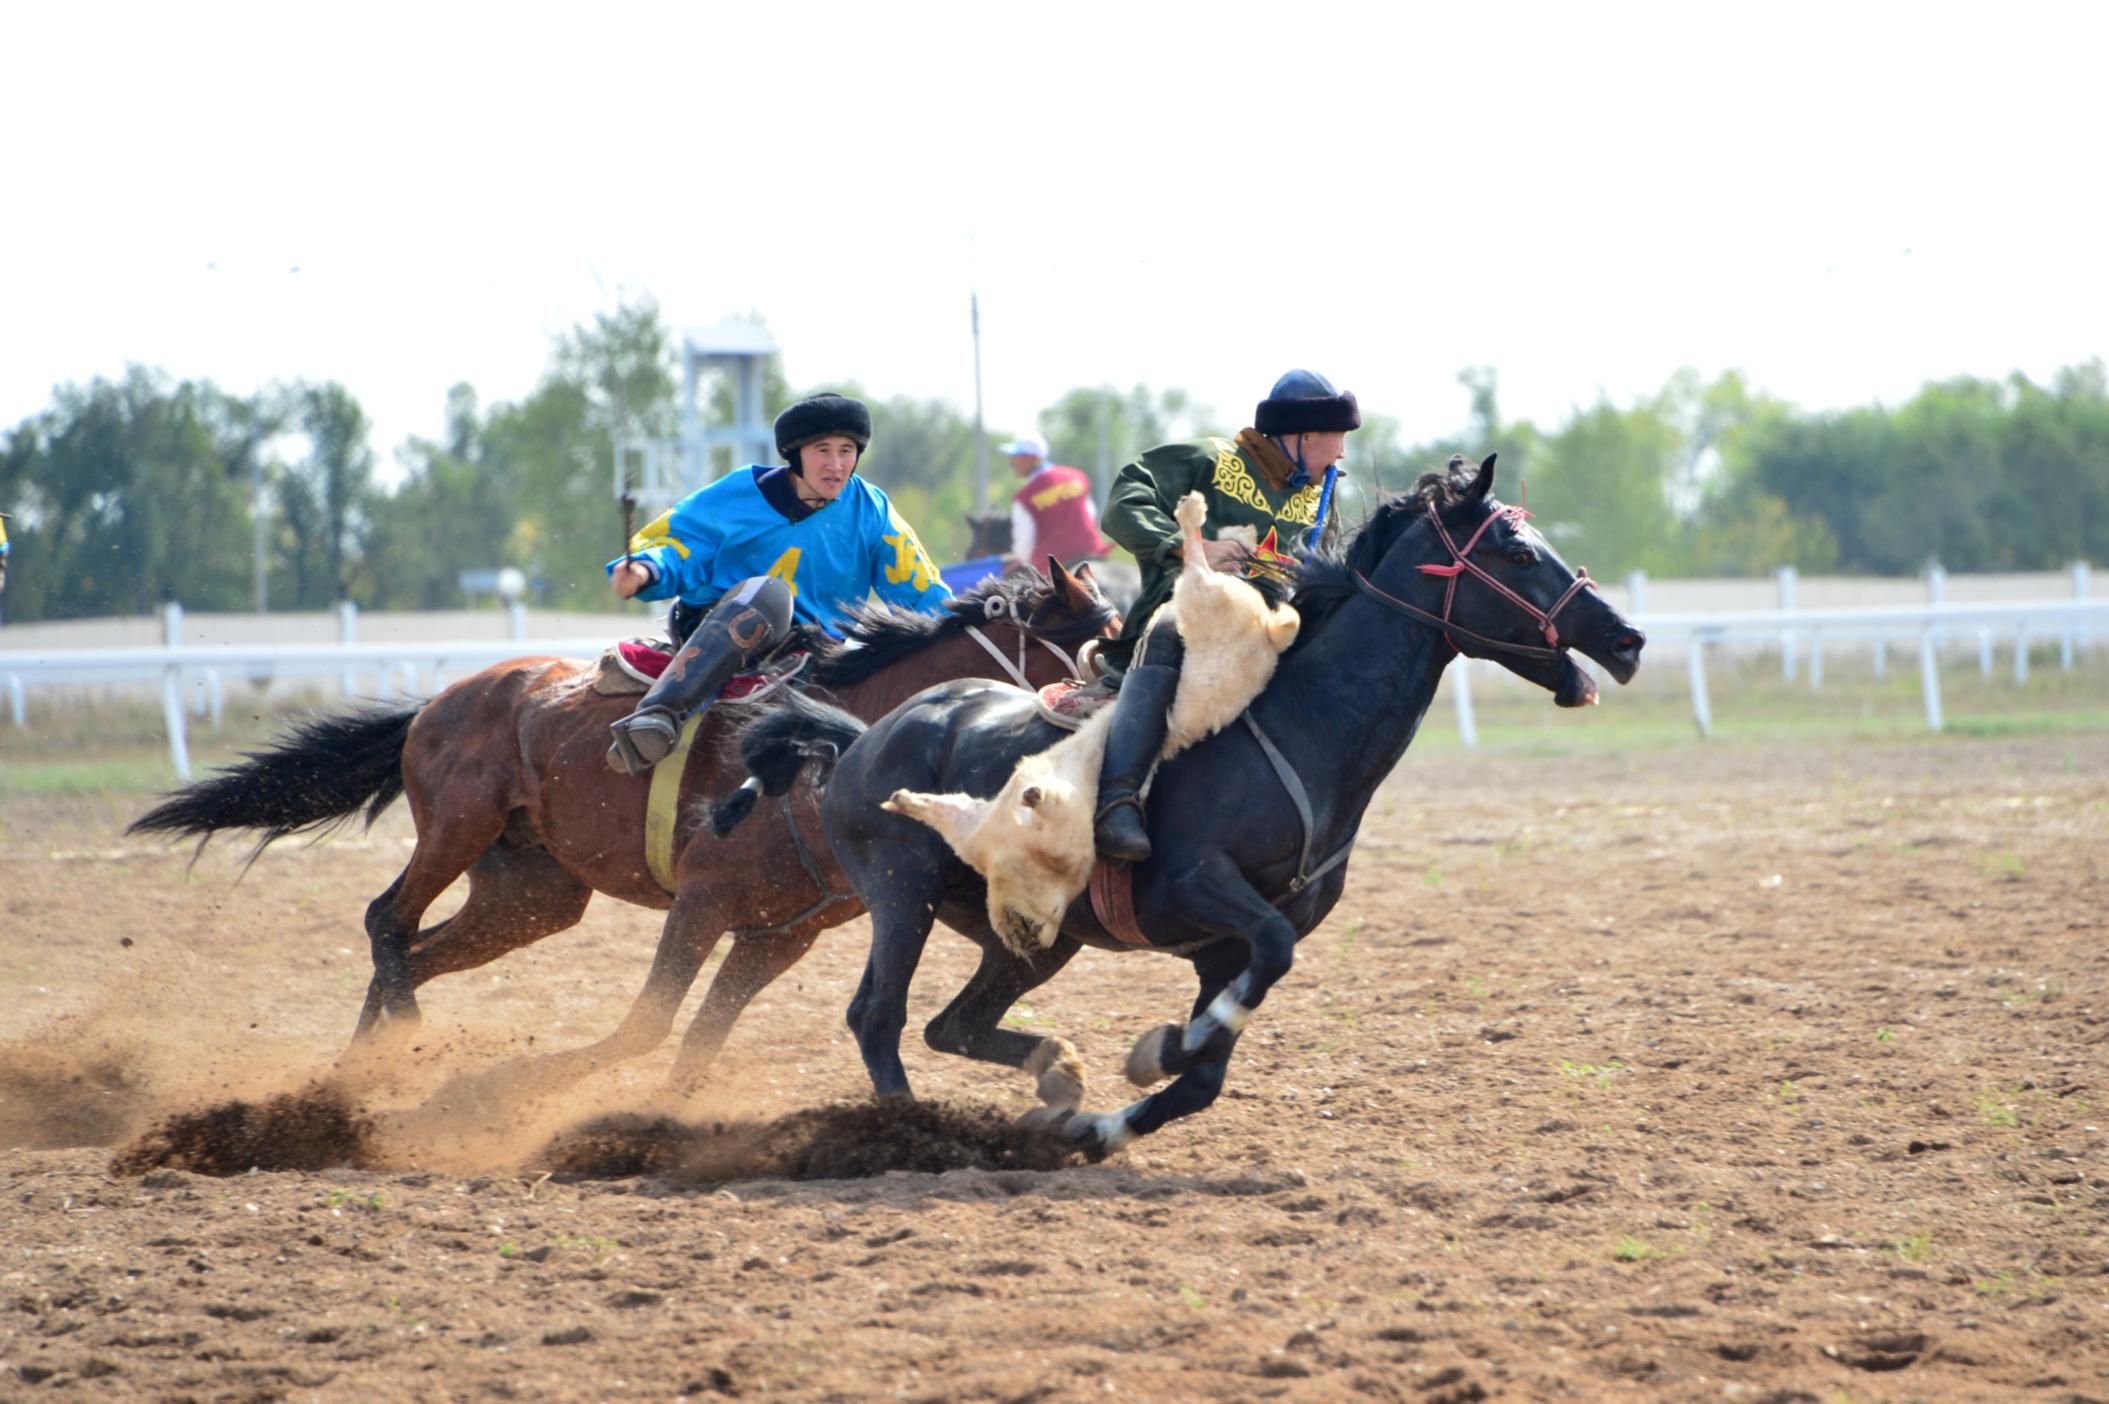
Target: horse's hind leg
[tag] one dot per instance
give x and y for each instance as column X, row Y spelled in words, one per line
column 971, row 1024
column 517, row 895
column 900, row 925
column 392, row 918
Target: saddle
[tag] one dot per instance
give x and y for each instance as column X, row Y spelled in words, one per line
column 629, row 668
column 1070, row 703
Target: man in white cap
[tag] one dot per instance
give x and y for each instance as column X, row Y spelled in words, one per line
column 1051, row 515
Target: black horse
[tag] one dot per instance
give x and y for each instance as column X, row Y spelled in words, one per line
column 1251, row 829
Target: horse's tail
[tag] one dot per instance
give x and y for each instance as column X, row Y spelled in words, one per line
column 796, row 731
column 314, row 778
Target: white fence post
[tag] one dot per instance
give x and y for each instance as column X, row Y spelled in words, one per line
column 1930, row 676
column 2077, row 634
column 347, row 632
column 172, row 693
column 1461, row 694
column 1787, row 578
column 1984, row 651
column 2020, row 654
column 516, row 619
column 14, row 700
column 1815, row 660
column 1881, row 659
column 1695, row 668
column 1636, row 592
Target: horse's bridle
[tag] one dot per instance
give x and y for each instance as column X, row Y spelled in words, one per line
column 1461, row 562
column 996, row 607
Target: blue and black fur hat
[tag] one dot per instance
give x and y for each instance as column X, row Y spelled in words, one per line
column 1305, row 402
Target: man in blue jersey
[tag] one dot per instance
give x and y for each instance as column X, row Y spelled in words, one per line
column 805, row 539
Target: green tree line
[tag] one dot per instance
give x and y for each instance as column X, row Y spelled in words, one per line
column 128, row 492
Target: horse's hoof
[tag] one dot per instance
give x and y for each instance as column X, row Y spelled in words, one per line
column 1045, row 1118
column 1097, row 1134
column 1146, row 1059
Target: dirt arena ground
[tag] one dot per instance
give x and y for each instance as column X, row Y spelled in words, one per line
column 1725, row 1072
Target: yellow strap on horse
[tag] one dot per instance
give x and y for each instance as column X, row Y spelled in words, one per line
column 664, row 804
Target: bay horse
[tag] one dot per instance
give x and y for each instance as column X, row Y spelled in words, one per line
column 506, row 781
column 1251, row 829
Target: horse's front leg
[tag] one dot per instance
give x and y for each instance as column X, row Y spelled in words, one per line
column 1235, row 977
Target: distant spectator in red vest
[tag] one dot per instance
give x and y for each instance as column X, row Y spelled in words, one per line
column 1052, row 514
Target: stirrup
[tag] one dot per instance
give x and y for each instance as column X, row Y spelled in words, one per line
column 1100, row 835
column 642, row 740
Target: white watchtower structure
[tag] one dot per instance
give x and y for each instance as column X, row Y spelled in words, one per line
column 660, row 472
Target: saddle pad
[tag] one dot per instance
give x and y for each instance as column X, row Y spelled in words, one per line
column 1069, row 703
column 633, row 665
column 1113, row 900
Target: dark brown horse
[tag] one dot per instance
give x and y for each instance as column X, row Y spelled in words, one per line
column 507, row 782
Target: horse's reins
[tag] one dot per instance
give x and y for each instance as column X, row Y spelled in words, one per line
column 1461, row 562
column 998, row 608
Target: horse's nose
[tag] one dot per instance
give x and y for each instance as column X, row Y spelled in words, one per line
column 1627, row 646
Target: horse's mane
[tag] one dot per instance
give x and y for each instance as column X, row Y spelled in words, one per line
column 1325, row 575
column 882, row 634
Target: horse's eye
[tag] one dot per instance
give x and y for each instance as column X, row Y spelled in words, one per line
column 1523, row 553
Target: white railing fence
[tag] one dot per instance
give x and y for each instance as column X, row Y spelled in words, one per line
column 406, row 667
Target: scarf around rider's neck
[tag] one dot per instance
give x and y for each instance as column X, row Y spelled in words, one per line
column 1266, row 455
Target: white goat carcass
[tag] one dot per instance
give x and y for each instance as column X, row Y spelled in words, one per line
column 1032, row 841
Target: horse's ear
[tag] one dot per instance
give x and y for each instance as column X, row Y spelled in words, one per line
column 1484, row 483
column 1074, row 594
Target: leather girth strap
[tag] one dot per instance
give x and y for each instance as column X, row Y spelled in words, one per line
column 664, row 806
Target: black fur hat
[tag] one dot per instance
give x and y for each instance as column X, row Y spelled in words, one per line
column 1305, row 402
column 819, row 416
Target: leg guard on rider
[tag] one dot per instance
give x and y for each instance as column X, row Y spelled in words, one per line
column 738, row 630
column 1132, row 744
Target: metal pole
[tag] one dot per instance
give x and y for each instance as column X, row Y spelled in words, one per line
column 1695, row 668
column 1461, row 693
column 981, row 437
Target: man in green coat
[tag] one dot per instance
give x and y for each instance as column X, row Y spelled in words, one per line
column 1262, row 479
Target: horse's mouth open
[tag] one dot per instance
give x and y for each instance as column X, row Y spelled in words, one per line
column 1577, row 688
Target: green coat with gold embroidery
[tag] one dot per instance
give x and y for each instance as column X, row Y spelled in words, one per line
column 1138, row 515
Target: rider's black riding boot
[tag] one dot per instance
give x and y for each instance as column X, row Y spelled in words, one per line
column 1140, row 716
column 739, row 629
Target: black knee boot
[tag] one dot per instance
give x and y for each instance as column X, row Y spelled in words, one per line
column 1140, row 716
column 738, row 630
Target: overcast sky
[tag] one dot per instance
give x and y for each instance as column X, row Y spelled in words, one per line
column 1841, row 200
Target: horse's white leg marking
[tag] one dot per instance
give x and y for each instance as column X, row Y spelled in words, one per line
column 1225, row 1012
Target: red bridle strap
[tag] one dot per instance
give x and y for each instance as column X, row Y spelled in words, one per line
column 1460, row 563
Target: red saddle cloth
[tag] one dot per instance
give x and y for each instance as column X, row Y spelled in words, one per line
column 1113, row 901
column 650, row 662
column 1073, row 703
